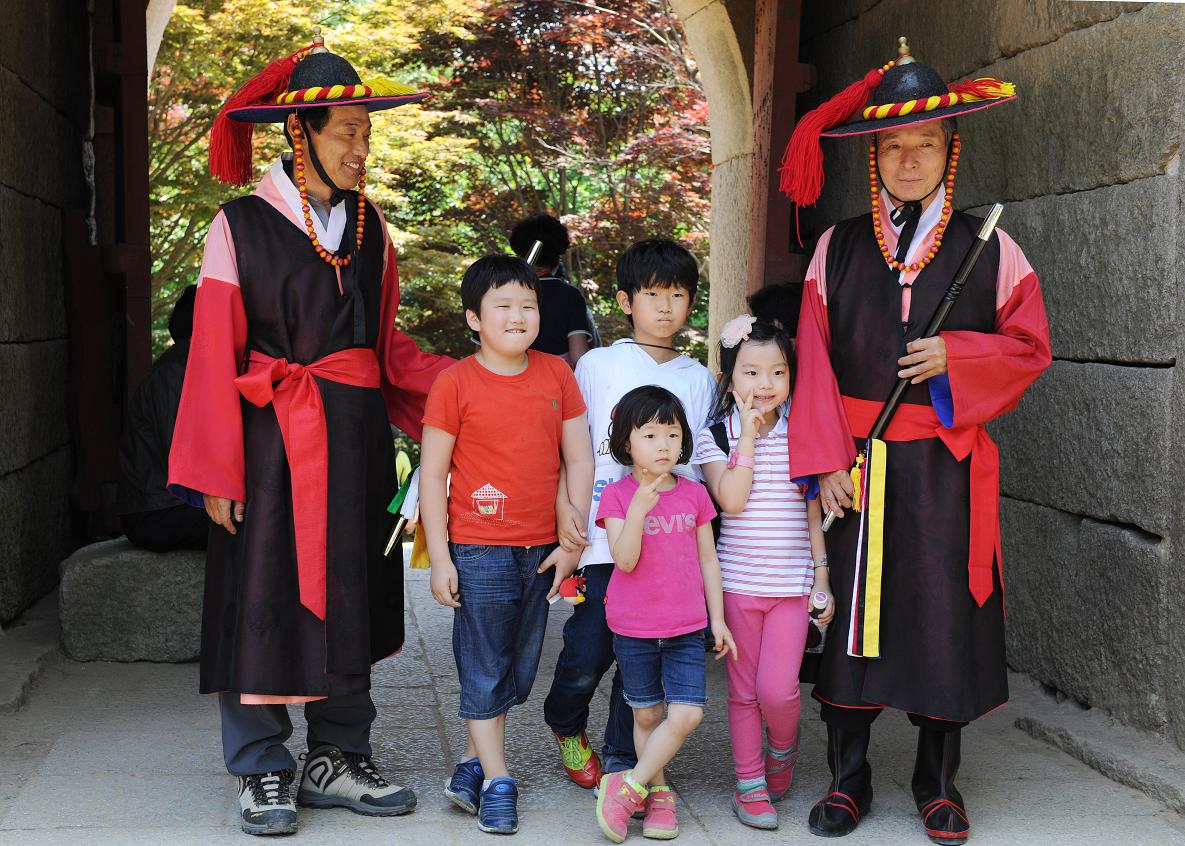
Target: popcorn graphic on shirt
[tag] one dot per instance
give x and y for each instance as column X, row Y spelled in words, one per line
column 488, row 501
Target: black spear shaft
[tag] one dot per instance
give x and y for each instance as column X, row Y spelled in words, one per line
column 940, row 314
column 934, row 327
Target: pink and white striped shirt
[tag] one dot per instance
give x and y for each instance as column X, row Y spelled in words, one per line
column 766, row 549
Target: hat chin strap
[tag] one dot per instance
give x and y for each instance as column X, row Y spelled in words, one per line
column 907, row 213
column 336, row 194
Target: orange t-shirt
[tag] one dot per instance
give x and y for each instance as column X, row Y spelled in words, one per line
column 506, row 459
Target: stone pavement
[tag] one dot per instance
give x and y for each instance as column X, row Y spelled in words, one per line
column 129, row 754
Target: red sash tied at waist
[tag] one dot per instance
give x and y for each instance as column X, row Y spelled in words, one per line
column 913, row 422
column 292, row 391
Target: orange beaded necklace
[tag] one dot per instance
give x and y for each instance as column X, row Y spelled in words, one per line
column 955, row 145
column 298, row 163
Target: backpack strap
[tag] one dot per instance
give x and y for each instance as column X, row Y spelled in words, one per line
column 720, row 436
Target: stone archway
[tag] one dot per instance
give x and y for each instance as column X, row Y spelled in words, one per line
column 713, row 42
column 156, row 22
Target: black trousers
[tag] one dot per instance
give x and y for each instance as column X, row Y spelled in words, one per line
column 179, row 527
column 253, row 736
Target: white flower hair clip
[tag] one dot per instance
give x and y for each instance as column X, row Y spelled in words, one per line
column 736, row 330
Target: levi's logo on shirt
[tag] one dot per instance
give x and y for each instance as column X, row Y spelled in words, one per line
column 668, row 524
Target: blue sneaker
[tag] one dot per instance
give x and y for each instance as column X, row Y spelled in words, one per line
column 464, row 788
column 499, row 807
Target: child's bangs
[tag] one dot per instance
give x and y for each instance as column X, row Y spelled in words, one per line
column 509, row 277
column 663, row 284
column 662, row 415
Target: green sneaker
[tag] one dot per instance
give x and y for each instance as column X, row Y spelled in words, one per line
column 580, row 762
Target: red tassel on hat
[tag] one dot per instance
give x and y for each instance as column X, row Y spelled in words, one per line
column 802, row 163
column 230, row 140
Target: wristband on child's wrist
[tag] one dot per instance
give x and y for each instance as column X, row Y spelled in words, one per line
column 735, row 459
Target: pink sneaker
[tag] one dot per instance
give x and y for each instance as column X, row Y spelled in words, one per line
column 617, row 801
column 661, row 822
column 779, row 774
column 753, row 808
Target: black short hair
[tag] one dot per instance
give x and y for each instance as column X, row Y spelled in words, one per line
column 761, row 332
column 314, row 117
column 657, row 263
column 546, row 229
column 777, row 304
column 181, row 320
column 639, row 407
column 494, row 272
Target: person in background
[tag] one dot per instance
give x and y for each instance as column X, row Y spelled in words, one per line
column 152, row 517
column 565, row 323
column 777, row 304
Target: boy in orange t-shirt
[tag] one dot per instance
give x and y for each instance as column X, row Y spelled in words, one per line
column 495, row 427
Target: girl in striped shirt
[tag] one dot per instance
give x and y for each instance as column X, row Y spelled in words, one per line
column 772, row 558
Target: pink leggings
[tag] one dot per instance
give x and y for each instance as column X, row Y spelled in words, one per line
column 770, row 632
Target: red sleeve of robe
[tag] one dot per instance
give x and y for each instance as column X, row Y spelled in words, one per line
column 990, row 371
column 207, row 452
column 820, row 441
column 407, row 372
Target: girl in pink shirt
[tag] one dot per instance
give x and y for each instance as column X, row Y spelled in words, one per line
column 772, row 558
column 660, row 537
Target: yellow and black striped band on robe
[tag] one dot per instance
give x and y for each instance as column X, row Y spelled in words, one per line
column 975, row 91
column 864, row 628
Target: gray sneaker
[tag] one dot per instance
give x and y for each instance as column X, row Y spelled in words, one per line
column 336, row 779
column 265, row 803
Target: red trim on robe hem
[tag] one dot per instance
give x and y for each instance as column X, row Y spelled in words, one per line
column 265, row 699
column 817, row 697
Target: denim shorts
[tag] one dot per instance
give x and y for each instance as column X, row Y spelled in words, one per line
column 662, row 669
column 498, row 630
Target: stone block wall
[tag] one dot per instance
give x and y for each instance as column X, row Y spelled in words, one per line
column 44, row 121
column 1086, row 164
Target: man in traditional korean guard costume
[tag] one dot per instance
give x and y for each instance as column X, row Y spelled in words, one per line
column 296, row 370
column 919, row 622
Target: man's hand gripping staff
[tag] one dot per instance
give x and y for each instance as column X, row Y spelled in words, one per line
column 927, row 358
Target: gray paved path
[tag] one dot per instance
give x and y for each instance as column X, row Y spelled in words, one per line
column 129, row 754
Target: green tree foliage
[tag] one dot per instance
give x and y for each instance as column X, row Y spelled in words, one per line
column 592, row 113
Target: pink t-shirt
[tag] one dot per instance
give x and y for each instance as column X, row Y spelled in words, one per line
column 664, row 595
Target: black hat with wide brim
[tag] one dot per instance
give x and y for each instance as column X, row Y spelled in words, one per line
column 903, row 92
column 326, row 79
column 915, row 82
column 310, row 78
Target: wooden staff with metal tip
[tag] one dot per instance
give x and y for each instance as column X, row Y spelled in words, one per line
column 934, row 327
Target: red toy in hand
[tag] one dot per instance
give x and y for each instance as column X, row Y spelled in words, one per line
column 572, row 589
